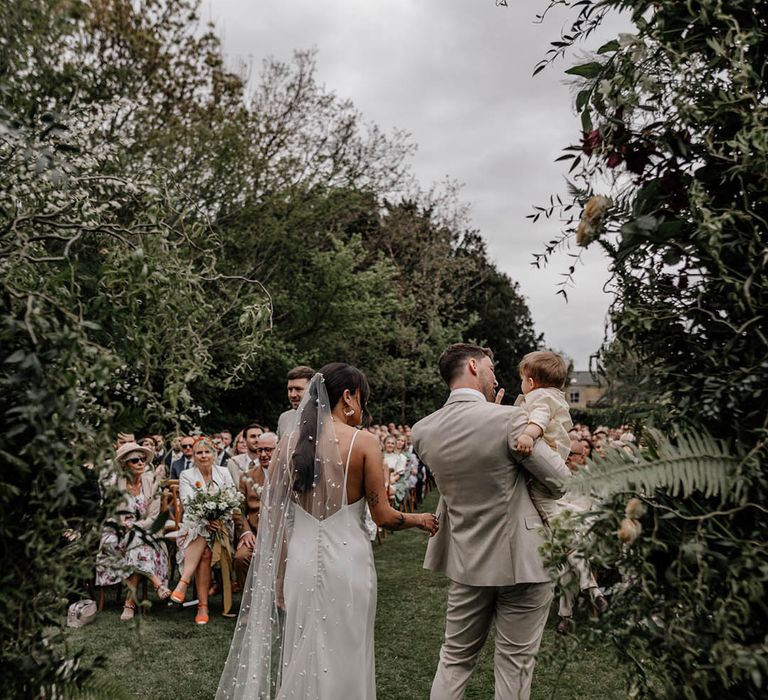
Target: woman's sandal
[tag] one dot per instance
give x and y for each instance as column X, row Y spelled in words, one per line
column 129, row 610
column 202, row 615
column 179, row 593
column 162, row 592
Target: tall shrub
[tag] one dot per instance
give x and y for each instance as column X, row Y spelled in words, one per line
column 670, row 179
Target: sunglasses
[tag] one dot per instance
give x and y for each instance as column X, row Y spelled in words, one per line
column 135, row 460
column 187, row 447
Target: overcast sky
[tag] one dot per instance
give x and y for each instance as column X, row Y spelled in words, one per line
column 456, row 74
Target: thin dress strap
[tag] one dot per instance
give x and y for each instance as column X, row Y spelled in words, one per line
column 346, row 466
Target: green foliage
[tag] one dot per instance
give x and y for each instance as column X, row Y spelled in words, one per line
column 673, row 129
column 170, row 246
column 96, row 267
column 692, row 463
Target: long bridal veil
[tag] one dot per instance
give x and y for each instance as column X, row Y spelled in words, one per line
column 306, row 472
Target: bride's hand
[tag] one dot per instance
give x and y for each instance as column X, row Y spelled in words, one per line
column 429, row 523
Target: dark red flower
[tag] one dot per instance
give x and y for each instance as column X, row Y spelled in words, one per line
column 614, row 159
column 636, row 157
column 590, row 141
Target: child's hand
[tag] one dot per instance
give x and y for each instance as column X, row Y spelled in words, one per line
column 524, row 444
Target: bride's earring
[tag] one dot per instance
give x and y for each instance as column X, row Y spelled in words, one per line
column 349, row 412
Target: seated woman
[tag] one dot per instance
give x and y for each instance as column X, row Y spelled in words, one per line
column 126, row 553
column 196, row 537
column 395, row 462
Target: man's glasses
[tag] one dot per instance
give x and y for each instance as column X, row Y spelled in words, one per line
column 265, row 450
column 135, row 460
column 187, row 447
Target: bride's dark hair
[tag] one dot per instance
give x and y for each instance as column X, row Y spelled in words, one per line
column 338, row 377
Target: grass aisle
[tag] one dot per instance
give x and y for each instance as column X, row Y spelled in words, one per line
column 166, row 656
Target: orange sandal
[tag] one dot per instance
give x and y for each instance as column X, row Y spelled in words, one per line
column 202, row 617
column 180, row 592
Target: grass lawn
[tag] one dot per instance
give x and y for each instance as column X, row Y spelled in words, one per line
column 167, row 656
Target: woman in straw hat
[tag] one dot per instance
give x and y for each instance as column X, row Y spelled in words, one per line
column 128, row 550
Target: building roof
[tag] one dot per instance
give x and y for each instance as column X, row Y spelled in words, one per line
column 581, row 378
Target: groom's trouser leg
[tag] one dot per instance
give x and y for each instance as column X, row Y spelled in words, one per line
column 467, row 621
column 521, row 613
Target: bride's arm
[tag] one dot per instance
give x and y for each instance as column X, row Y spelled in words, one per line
column 382, row 513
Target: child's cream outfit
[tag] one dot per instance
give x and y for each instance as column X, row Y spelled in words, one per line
column 548, row 408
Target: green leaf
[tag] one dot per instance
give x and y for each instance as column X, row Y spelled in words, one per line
column 609, row 47
column 581, row 99
column 586, row 70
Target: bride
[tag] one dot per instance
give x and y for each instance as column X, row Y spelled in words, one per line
column 305, row 628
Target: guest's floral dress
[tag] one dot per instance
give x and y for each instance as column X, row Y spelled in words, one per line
column 119, row 557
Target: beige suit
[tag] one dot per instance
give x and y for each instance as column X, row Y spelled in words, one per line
column 251, row 484
column 488, row 540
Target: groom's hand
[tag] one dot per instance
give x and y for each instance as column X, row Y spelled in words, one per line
column 499, row 395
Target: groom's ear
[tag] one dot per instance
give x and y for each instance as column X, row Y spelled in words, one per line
column 472, row 365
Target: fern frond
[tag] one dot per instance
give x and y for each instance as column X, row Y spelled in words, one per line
column 100, row 686
column 694, row 462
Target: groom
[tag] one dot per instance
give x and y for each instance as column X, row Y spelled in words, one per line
column 489, row 537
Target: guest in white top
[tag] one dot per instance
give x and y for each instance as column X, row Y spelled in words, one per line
column 195, row 540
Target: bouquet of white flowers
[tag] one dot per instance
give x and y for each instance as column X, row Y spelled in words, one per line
column 213, row 505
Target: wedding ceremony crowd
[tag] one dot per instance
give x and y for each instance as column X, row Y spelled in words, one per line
column 159, row 474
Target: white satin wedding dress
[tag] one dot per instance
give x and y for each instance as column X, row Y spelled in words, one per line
column 330, row 603
column 305, row 627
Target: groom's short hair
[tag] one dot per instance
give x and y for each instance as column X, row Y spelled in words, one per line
column 453, row 359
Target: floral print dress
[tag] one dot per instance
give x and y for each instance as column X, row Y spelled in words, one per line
column 121, row 556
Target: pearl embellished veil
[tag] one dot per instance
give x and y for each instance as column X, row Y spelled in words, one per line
column 306, row 472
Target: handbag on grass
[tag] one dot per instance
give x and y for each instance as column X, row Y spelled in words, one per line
column 81, row 613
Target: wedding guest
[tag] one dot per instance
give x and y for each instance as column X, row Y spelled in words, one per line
column 195, row 541
column 173, row 454
column 225, row 451
column 149, row 443
column 599, row 439
column 154, row 463
column 586, row 443
column 127, row 551
column 240, row 446
column 123, row 438
column 185, row 461
column 578, row 568
column 251, row 486
column 395, row 462
column 240, row 464
column 298, row 380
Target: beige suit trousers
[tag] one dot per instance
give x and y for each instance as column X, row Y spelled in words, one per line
column 520, row 612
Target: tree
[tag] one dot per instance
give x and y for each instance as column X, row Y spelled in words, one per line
column 670, row 178
column 96, row 265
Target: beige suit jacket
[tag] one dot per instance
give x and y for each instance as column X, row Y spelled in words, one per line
column 489, row 528
column 239, row 465
column 248, row 519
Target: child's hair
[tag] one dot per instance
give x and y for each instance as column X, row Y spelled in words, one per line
column 546, row 368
